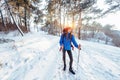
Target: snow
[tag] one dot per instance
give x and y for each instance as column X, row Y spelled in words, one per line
column 36, row 56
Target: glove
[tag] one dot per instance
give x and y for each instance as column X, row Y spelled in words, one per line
column 72, row 47
column 79, row 47
column 61, row 48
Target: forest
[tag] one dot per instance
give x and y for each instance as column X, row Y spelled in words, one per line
column 52, row 16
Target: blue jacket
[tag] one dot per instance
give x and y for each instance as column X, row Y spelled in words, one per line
column 66, row 42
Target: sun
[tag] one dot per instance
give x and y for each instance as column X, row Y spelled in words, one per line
column 68, row 23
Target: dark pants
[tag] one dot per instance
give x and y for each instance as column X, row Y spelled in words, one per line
column 70, row 57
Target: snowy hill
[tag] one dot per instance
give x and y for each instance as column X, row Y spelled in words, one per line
column 36, row 56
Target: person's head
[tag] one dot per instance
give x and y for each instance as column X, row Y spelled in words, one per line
column 67, row 30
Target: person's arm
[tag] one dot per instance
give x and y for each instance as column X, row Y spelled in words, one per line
column 75, row 43
column 61, row 42
column 72, row 47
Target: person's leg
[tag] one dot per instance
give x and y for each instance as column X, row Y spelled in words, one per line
column 64, row 59
column 71, row 58
column 71, row 61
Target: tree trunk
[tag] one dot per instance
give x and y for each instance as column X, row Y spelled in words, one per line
column 106, row 41
column 25, row 14
column 13, row 19
column 60, row 18
column 64, row 15
column 79, row 27
column 2, row 19
column 73, row 21
column 19, row 21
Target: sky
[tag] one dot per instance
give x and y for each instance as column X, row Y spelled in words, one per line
column 110, row 18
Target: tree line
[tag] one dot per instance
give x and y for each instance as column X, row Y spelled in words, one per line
column 16, row 14
column 55, row 15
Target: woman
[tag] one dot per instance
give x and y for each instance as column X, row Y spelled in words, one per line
column 66, row 41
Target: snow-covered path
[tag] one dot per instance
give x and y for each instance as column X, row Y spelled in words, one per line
column 45, row 66
column 37, row 57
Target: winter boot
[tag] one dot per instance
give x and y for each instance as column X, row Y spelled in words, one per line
column 64, row 68
column 70, row 69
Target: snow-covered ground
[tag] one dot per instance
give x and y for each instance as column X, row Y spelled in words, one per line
column 36, row 56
